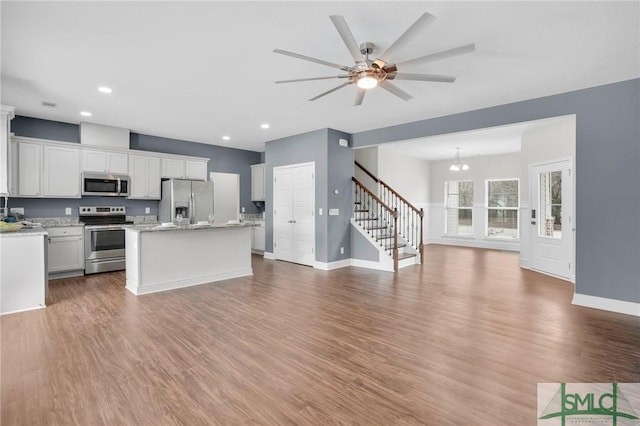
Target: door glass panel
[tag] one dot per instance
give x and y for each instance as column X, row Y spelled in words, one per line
column 550, row 204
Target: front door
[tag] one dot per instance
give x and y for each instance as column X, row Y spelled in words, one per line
column 552, row 219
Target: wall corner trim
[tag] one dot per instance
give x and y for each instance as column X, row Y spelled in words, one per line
column 613, row 305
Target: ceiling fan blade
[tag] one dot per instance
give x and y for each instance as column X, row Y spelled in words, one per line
column 312, row 78
column 422, row 23
column 467, row 48
column 347, row 37
column 359, row 96
column 330, row 91
column 421, row 77
column 309, row 58
column 395, row 90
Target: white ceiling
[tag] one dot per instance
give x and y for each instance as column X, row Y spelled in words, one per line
column 199, row 70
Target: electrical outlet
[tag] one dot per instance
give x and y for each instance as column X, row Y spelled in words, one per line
column 18, row 210
column 67, row 211
column 341, row 250
column 320, row 211
column 147, row 210
column 242, row 210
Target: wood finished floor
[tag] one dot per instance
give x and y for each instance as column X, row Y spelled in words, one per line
column 460, row 340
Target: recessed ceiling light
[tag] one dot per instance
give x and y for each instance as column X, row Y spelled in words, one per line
column 105, row 89
column 226, row 138
column 85, row 113
column 265, row 125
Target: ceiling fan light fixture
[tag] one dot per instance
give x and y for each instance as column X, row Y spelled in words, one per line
column 367, row 81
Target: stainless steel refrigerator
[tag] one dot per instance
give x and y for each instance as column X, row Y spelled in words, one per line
column 193, row 199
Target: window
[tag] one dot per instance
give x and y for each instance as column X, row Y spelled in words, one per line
column 458, row 207
column 502, row 208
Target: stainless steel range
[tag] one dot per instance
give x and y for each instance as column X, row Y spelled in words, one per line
column 103, row 238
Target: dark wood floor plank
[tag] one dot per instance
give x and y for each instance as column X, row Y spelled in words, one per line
column 462, row 339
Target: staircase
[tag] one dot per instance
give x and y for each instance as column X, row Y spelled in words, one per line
column 389, row 221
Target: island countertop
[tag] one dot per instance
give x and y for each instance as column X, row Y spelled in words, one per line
column 157, row 227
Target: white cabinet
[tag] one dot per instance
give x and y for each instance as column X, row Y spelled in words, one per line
column 46, row 170
column 94, row 160
column 29, row 165
column 61, row 172
column 257, row 182
column 195, row 169
column 66, row 249
column 184, row 169
column 6, row 115
column 257, row 237
column 145, row 177
column 173, row 168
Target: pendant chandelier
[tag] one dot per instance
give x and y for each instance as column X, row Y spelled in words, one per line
column 457, row 163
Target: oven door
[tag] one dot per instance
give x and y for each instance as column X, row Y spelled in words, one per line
column 103, row 242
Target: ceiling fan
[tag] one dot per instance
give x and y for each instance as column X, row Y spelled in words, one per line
column 367, row 73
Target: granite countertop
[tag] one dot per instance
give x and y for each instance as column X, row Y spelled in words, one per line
column 28, row 231
column 157, row 227
column 54, row 222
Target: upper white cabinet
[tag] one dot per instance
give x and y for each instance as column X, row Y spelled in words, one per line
column 45, row 170
column 6, row 115
column 29, row 167
column 94, row 160
column 195, row 169
column 61, row 172
column 145, row 177
column 257, row 182
column 184, row 169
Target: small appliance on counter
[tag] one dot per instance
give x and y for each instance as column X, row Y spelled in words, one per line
column 103, row 237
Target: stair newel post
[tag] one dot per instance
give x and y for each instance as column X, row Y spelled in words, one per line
column 395, row 239
column 421, row 235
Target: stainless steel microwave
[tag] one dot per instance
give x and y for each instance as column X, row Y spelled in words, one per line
column 105, row 184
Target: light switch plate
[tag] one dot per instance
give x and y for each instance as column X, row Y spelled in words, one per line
column 67, row 210
column 242, row 210
column 320, row 211
column 147, row 210
column 334, row 212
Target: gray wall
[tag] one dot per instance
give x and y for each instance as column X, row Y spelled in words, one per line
column 222, row 159
column 333, row 168
column 607, row 175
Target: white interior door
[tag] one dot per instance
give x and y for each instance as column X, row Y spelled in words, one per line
column 293, row 215
column 552, row 218
column 283, row 213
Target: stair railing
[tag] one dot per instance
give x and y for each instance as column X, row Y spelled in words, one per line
column 410, row 218
column 383, row 215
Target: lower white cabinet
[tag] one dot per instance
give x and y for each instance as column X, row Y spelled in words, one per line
column 257, row 237
column 66, row 250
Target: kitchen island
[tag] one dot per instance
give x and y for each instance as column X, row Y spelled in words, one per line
column 23, row 271
column 162, row 258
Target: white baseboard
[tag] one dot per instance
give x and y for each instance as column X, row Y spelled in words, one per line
column 23, row 310
column 269, row 255
column 370, row 264
column 485, row 243
column 613, row 305
column 138, row 290
column 332, row 265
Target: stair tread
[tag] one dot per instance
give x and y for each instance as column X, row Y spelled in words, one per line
column 366, row 219
column 384, row 237
column 361, row 210
column 375, row 227
column 390, row 246
column 405, row 255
